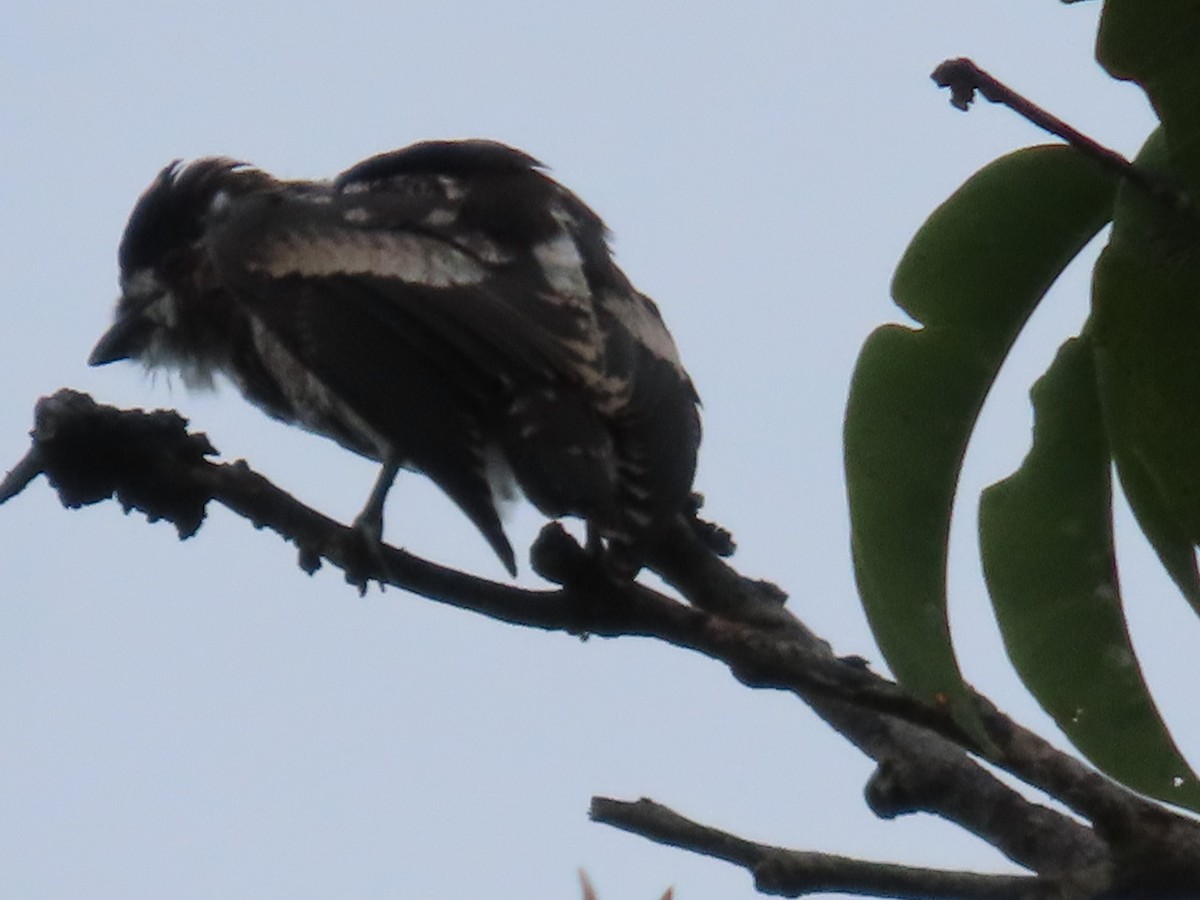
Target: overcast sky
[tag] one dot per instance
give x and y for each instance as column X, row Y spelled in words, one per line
column 201, row 719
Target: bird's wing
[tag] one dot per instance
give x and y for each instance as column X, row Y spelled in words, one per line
column 422, row 326
column 442, row 287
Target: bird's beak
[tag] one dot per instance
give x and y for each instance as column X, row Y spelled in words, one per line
column 124, row 340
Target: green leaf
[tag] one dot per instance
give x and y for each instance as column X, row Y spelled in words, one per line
column 1047, row 542
column 1146, row 326
column 1150, row 507
column 1158, row 45
column 972, row 275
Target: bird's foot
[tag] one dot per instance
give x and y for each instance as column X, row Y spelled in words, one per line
column 365, row 553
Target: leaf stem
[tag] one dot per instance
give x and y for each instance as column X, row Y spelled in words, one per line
column 963, row 77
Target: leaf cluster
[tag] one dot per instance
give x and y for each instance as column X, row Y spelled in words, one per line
column 1121, row 396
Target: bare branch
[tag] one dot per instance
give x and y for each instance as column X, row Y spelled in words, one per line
column 793, row 873
column 150, row 462
column 27, row 468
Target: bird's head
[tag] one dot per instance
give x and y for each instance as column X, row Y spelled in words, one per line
column 166, row 301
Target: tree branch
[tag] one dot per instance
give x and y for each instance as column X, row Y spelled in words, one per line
column 150, row 462
column 793, row 873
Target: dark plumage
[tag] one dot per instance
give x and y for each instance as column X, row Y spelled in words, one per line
column 446, row 308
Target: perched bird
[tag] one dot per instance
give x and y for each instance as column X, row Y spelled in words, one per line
column 446, row 308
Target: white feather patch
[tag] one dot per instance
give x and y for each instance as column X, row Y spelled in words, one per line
column 639, row 318
column 408, row 257
column 560, row 260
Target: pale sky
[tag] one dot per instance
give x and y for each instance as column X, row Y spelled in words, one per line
column 201, row 719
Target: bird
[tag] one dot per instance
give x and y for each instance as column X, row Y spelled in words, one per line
column 446, row 308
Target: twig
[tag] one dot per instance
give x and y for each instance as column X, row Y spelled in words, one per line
column 964, row 78
column 28, row 468
column 793, row 873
